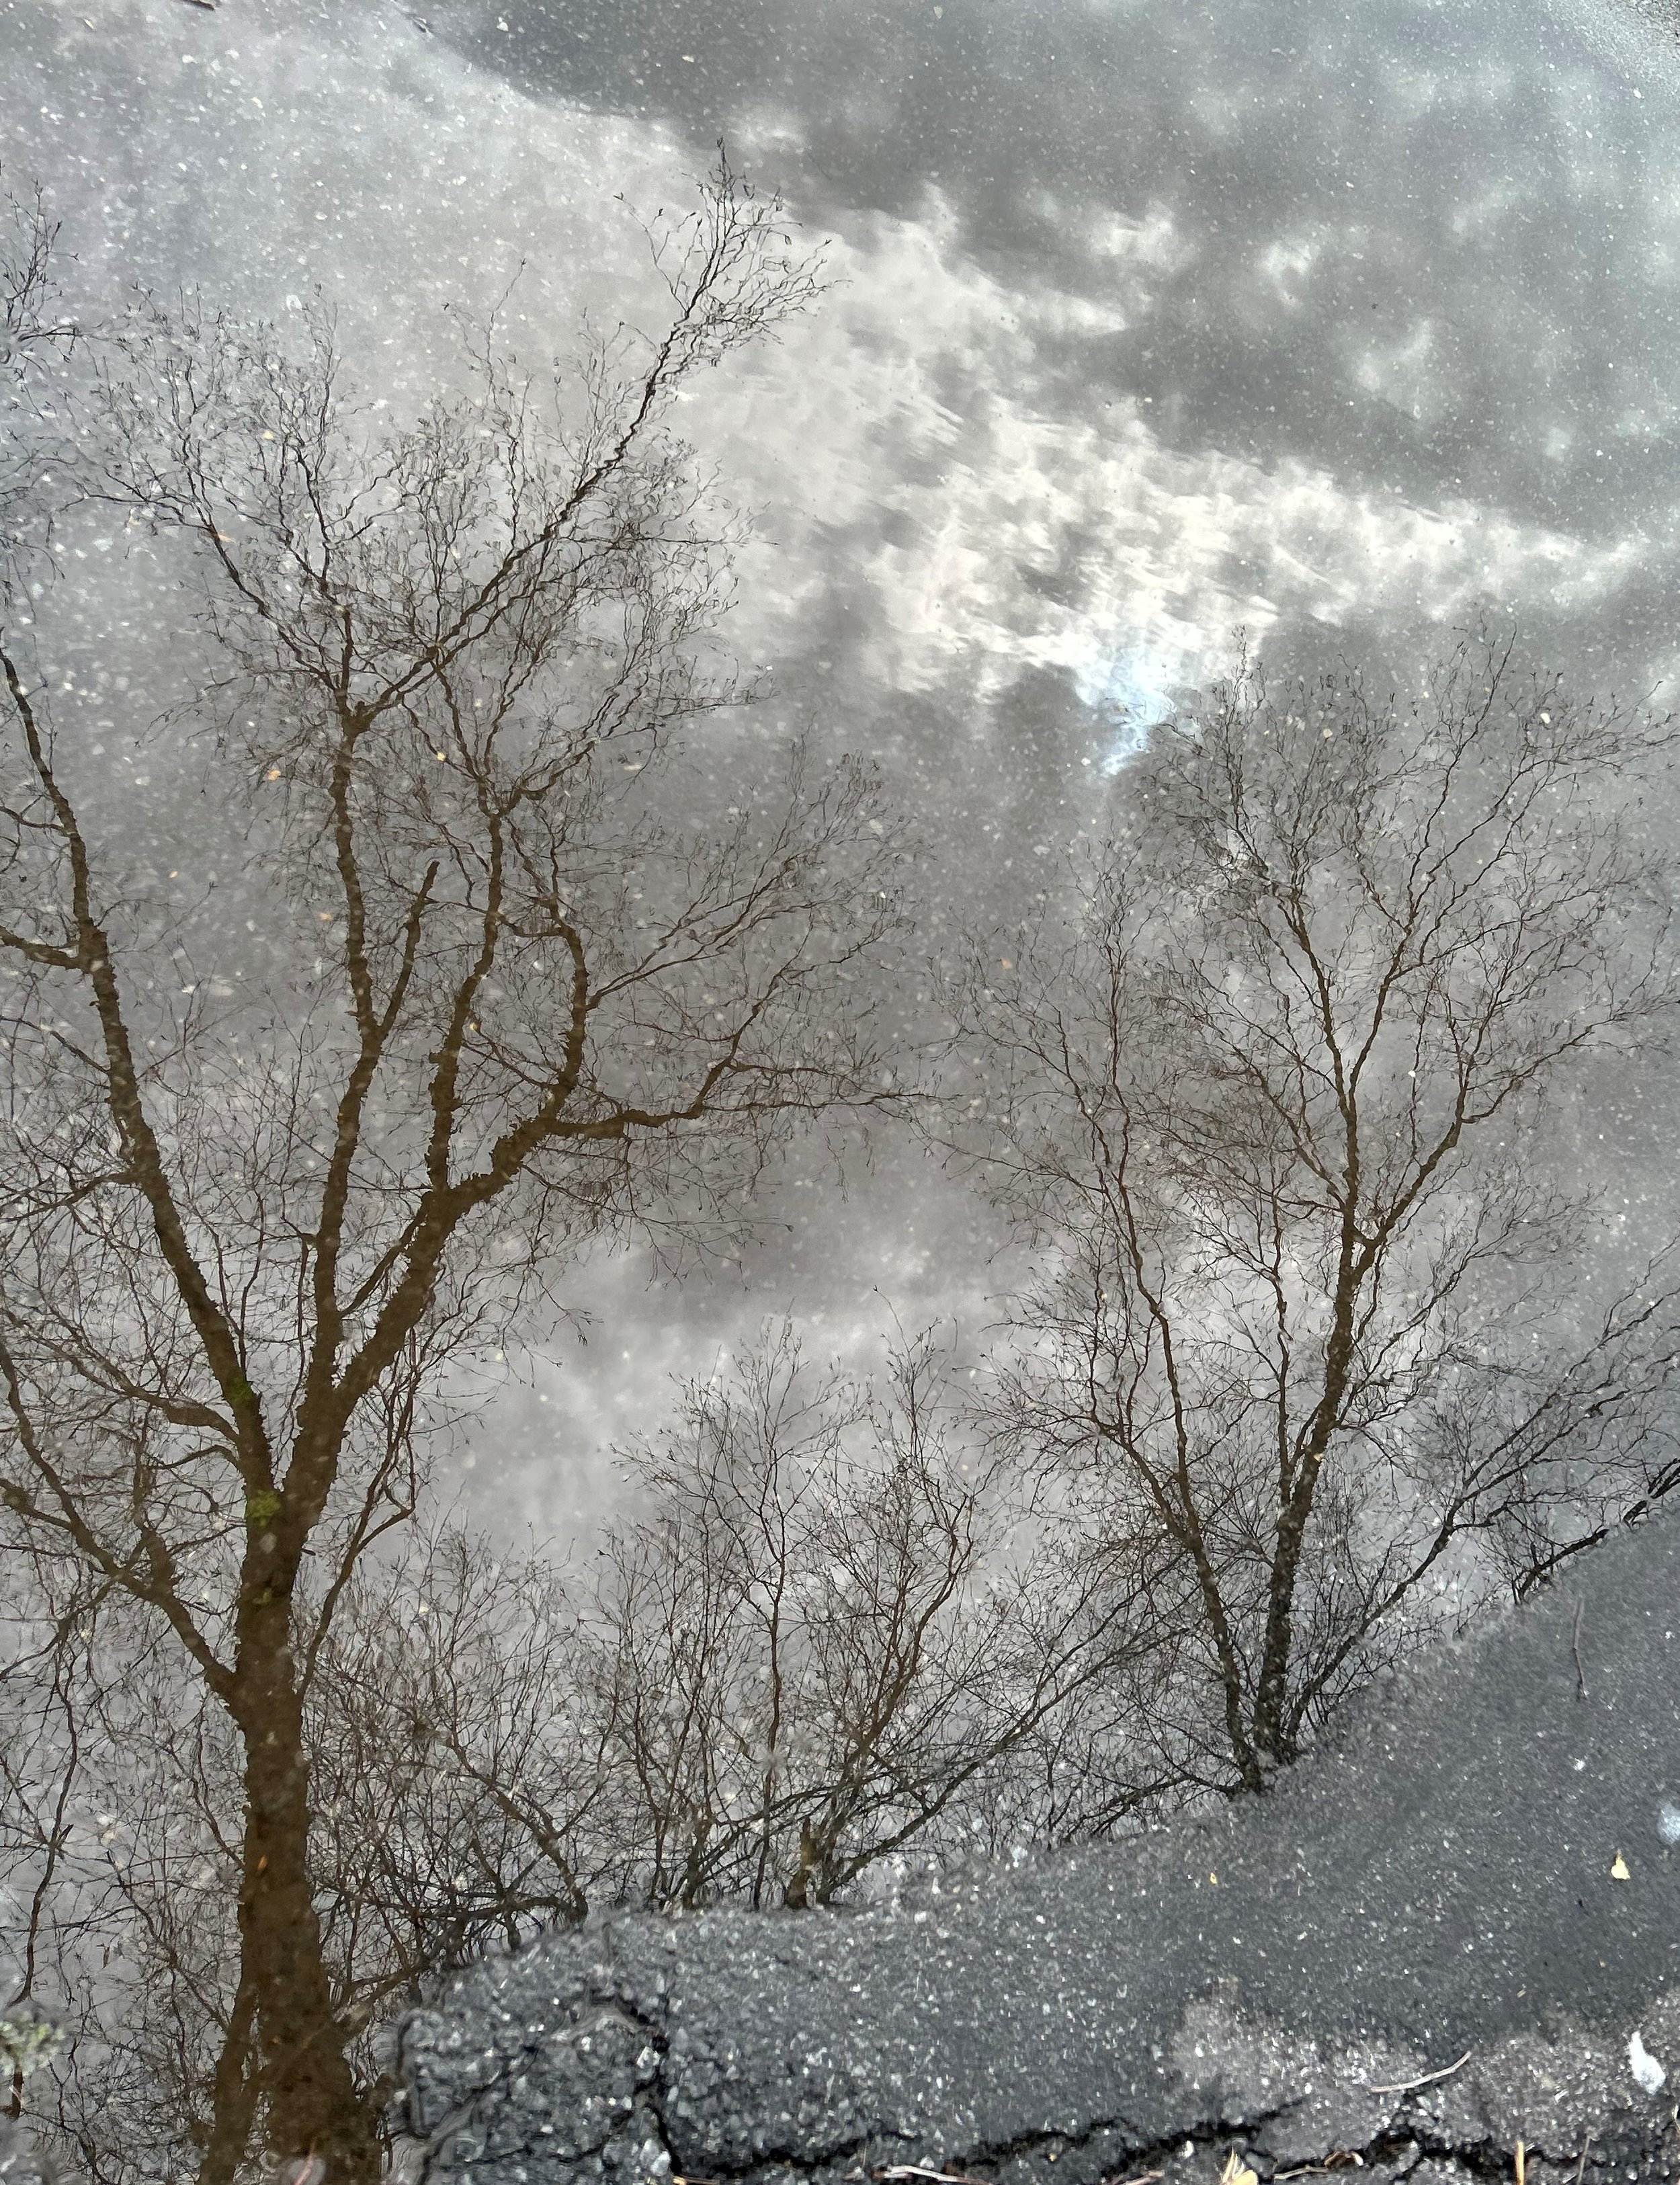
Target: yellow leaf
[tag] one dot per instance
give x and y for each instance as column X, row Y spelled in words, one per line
column 1619, row 1869
column 1236, row 2171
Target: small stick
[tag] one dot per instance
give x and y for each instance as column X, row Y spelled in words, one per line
column 1522, row 2166
column 1411, row 2085
column 1581, row 2167
column 1580, row 1673
column 900, row 2170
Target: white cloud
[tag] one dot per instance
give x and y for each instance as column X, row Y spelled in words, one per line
column 926, row 401
column 919, row 395
column 1287, row 264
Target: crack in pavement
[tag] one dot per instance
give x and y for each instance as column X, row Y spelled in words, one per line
column 614, row 2093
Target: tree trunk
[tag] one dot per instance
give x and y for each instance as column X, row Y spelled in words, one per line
column 313, row 2104
column 1273, row 1740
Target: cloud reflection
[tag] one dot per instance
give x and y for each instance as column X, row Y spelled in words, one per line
column 1146, row 326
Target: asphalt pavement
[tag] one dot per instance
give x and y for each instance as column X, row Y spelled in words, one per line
column 1478, row 1887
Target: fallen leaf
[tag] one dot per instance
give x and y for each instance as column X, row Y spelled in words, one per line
column 1619, row 1869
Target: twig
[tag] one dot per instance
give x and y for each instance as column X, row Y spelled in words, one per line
column 1411, row 2085
column 900, row 2170
column 1580, row 1673
column 1581, row 2167
column 1521, row 2164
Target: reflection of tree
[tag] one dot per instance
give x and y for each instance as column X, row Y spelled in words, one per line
column 831, row 1634
column 33, row 335
column 247, row 1241
column 1301, row 1329
column 1273, row 1111
column 832, row 1637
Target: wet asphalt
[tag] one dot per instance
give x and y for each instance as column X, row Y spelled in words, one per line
column 1485, row 1866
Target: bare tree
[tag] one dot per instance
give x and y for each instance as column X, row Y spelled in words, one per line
column 266, row 1197
column 436, row 1729
column 1278, row 1115
column 831, row 1632
column 465, row 1801
column 35, row 335
column 827, row 1640
column 121, row 1831
column 29, row 323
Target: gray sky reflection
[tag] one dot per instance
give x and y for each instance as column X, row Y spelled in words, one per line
column 1149, row 320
